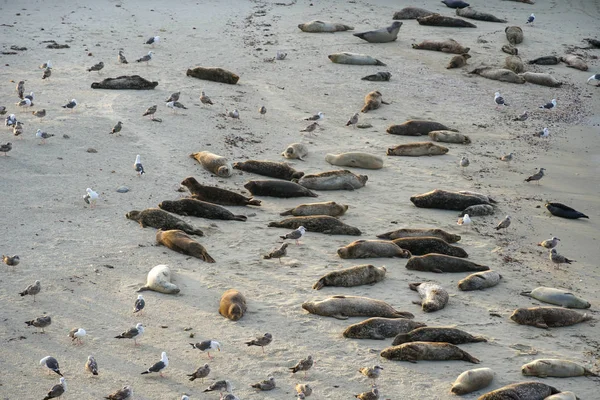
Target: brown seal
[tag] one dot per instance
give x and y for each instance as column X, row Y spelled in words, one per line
column 178, row 241
column 213, row 74
column 541, row 78
column 372, row 249
column 217, row 195
column 548, row 317
column 134, row 82
column 442, row 263
column 514, row 34
column 446, row 200
column 366, row 274
column 232, row 305
column 419, row 246
column 417, row 128
column 480, row 281
column 278, row 170
column 449, row 137
column 317, row 223
column 440, row 20
column 283, row 189
column 510, row 49
column 218, row 165
column 545, row 60
column 417, row 149
column 515, row 64
column 478, row 210
column 574, row 62
column 342, row 307
column 200, row 209
column 555, row 368
column 447, row 46
column 157, row 218
column 373, row 101
column 437, row 334
column 468, row 12
column 498, row 74
column 330, row 208
column 523, row 390
column 333, row 180
column 434, row 297
column 458, row 61
column 415, row 351
column 378, row 328
column 472, row 380
column 420, row 232
column 324, row 26
column 411, row 13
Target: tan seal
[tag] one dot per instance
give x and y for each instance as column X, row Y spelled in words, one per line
column 159, row 280
column 420, row 232
column 324, row 26
column 548, row 317
column 437, row 334
column 333, row 180
column 574, row 62
column 378, row 328
column 556, row 368
column 449, row 137
column 522, row 390
column 232, row 305
column 541, row 78
column 472, row 380
column 514, row 34
column 458, row 61
column 434, row 297
column 498, row 74
column 417, row 149
column 372, row 249
column 295, row 151
column 366, row 274
column 430, row 351
column 342, row 307
column 510, row 49
column 446, row 46
column 178, row 241
column 514, row 63
column 373, row 100
column 480, row 281
column 355, row 159
column 330, row 208
column 157, row 218
column 354, row 59
column 218, row 165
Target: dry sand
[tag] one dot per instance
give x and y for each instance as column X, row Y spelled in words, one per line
column 69, row 247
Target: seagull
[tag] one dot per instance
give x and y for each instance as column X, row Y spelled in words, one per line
column 137, row 166
column 595, row 77
column 464, row 162
column 230, row 396
column 544, row 133
column 280, row 55
column 96, row 67
column 499, row 100
column 549, row 243
column 173, row 97
column 522, row 117
column 465, row 220
column 530, row 19
column 91, row 366
column 11, row 261
column 505, row 223
column 30, row 97
column 25, row 103
column 91, row 197
column 40, row 114
column 76, row 334
column 277, row 253
column 134, row 333
column 146, row 58
column 57, row 390
column 10, row 120
column 150, row 111
column 51, row 364
column 559, row 259
column 371, row 372
column 43, row 135
column 159, row 366
column 121, row 394
column 174, row 105
column 353, row 120
column 317, row 117
column 261, row 341
column 262, row 110
column 2, row 110
column 47, row 64
column 153, row 40
column 537, row 176
column 295, row 234
column 139, row 304
column 18, row 128
column 549, row 106
column 304, row 390
column 40, row 322
column 72, row 104
column 117, row 128
column 201, row 373
column 207, row 346
column 220, row 386
column 303, row 365
column 121, row 58
column 233, row 114
column 21, row 89
column 372, row 395
column 47, row 73
column 5, row 148
column 507, row 157
column 205, row 99
column 32, row 290
column 265, row 385
column 310, row 128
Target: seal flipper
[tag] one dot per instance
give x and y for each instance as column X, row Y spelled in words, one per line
column 319, row 285
column 527, row 293
column 242, row 218
column 143, row 288
column 377, row 336
column 437, row 271
column 339, row 316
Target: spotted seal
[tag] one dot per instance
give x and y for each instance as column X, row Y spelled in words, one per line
column 446, row 46
column 480, row 281
column 522, row 390
column 548, row 317
column 437, row 334
column 468, row 12
column 178, row 241
column 434, row 297
column 419, row 246
column 446, row 200
column 430, row 351
column 333, row 180
column 354, row 59
column 440, row 20
column 478, row 210
column 324, row 26
column 342, row 307
column 157, row 218
column 200, row 209
column 557, row 368
column 442, row 263
column 274, row 188
column 423, row 232
column 271, row 169
column 417, row 149
column 317, row 223
column 411, row 13
column 372, row 249
column 330, row 208
column 449, row 137
column 378, row 328
column 366, row 274
column 514, row 34
column 217, row 195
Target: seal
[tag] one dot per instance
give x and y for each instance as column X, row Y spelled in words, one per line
column 383, row 35
column 372, row 249
column 434, row 297
column 355, row 159
column 333, row 180
column 132, row 82
column 449, row 137
column 515, row 64
column 419, row 246
column 342, row 307
column 563, row 211
column 159, row 280
column 479, row 281
column 455, row 3
column 417, row 149
column 468, row 12
column 218, row 165
column 324, row 26
column 217, row 195
column 559, row 297
column 157, row 218
column 458, row 61
column 420, row 232
column 317, row 223
column 523, row 390
column 546, row 60
column 556, row 368
column 447, row 46
column 417, row 128
column 548, row 317
column 283, row 189
column 411, row 13
column 514, row 34
column 446, row 200
column 213, row 74
column 540, row 78
column 366, row 274
column 354, row 59
column 485, row 198
column 232, row 305
column 330, row 208
column 563, row 396
column 381, row 328
column 437, row 334
column 178, row 241
column 200, row 209
column 510, row 49
column 576, row 62
column 479, row 210
column 440, row 20
column 373, row 101
column 271, row 169
column 378, row 77
column 498, row 74
column 295, row 151
column 442, row 263
column 472, row 380
column 414, row 351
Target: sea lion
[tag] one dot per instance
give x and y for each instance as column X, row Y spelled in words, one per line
column 434, row 297
column 478, row 211
column 213, row 74
column 514, row 34
column 440, row 20
column 546, row 60
column 555, row 368
column 430, row 351
column 437, row 334
column 295, row 151
column 283, row 189
column 498, row 74
column 354, row 59
column 217, row 195
column 417, row 128
column 449, row 137
column 372, row 249
column 366, row 274
column 446, row 200
column 373, row 101
column 324, row 26
column 342, row 307
column 561, row 210
column 458, row 61
column 417, row 149
column 521, row 391
column 510, row 49
column 178, row 241
column 559, row 297
column 333, row 180
column 479, row 281
column 378, row 77
column 447, row 46
column 200, row 209
column 355, row 159
column 271, row 169
column 157, row 218
column 411, row 13
column 380, row 328
column 563, row 396
column 576, row 62
column 218, row 165
column 133, row 82
column 468, row 12
column 317, row 223
column 546, row 317
column 383, row 35
column 442, row 263
column 159, row 280
column 415, row 232
column 419, row 246
column 330, row 208
column 514, row 63
column 232, row 305
column 455, row 3
column 472, row 380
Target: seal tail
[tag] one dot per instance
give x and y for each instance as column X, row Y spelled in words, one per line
column 379, row 63
column 207, row 258
column 143, row 288
column 470, row 358
column 319, row 285
column 527, row 293
column 254, row 202
column 287, row 212
column 197, row 232
column 414, row 286
column 242, row 218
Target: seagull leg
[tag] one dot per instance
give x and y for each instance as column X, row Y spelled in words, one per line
column 209, row 357
column 263, row 349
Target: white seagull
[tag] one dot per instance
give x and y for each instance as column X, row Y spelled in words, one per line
column 295, row 234
column 499, row 100
column 549, row 106
column 91, row 197
column 51, row 364
column 137, row 166
column 139, row 304
column 159, row 366
column 207, row 346
column 76, row 334
column 317, row 117
column 465, row 220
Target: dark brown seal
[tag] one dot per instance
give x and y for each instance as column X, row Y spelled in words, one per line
column 434, row 297
column 442, row 263
column 468, row 12
column 278, row 170
column 440, row 20
column 133, row 82
column 429, row 351
column 232, row 305
column 548, row 317
column 437, row 334
column 546, row 60
column 317, row 223
column 278, row 189
column 213, row 74
column 157, row 218
column 411, row 13
column 447, row 46
column 200, row 209
column 419, row 246
column 415, row 127
column 330, row 208
column 378, row 328
column 446, row 200
column 354, row 276
column 419, row 232
column 342, row 307
column 217, row 195
column 178, row 241
column 521, row 391
column 372, row 249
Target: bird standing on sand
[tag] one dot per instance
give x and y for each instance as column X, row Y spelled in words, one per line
column 317, row 117
column 465, row 220
column 537, row 176
column 150, row 111
column 277, row 253
column 121, row 394
column 43, row 135
column 261, row 341
column 206, row 346
column 371, row 372
column 32, row 290
column 266, row 385
column 20, row 89
column 51, row 364
column 91, row 365
column 235, row 114
column 353, row 120
column 174, row 105
column 153, row 40
column 220, row 386
column 280, row 55
column 499, row 100
column 57, row 390
column 303, row 365
column 76, row 334
column 530, row 19
column 47, row 73
column 24, row 103
column 11, row 261
column 121, row 58
column 522, row 117
column 139, row 305
column 159, row 366
column 505, row 223
column 90, row 197
column 40, row 113
column 146, row 58
column 559, row 259
column 201, row 373
column 40, row 322
column 173, row 97
column 5, row 148
column 262, row 110
column 549, row 106
column 18, row 129
column 507, row 157
column 544, row 133
column 204, row 99
column 71, row 105
column 310, row 128
column 30, row 97
column 137, row 166
column 47, row 64
column 117, row 128
column 295, row 234
column 132, row 333
column 549, row 243
column 464, row 162
column 96, row 67
column 372, row 395
column 595, row 77
column 11, row 120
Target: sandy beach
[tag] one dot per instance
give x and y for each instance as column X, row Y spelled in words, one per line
column 92, row 261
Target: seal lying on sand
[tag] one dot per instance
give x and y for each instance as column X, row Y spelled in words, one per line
column 498, row 74
column 548, row 317
column 383, row 35
column 378, row 77
column 217, row 195
column 455, row 3
column 283, row 189
column 218, row 165
column 442, row 263
column 447, row 46
column 373, row 100
column 342, row 307
column 411, row 13
column 514, row 63
column 330, row 208
column 380, row 328
column 134, row 82
column 430, row 351
column 540, row 78
column 472, row 380
column 434, row 297
column 514, row 34
column 278, row 170
column 546, row 60
column 415, row 232
column 440, row 20
column 157, row 218
column 555, row 368
column 449, row 137
column 446, row 200
column 480, row 281
column 523, row 390
column 417, row 149
column 458, row 61
column 355, row 159
column 468, row 12
column 366, row 274
column 159, row 280
column 353, row 59
column 576, row 62
column 561, row 210
column 200, row 209
column 324, row 26
column 372, row 249
column 333, row 180
column 178, row 241
column 232, row 305
column 317, row 223
column 419, row 246
column 559, row 297
column 479, row 210
column 213, row 74
column 417, row 128
column 510, row 49
column 295, row 151
column 437, row 334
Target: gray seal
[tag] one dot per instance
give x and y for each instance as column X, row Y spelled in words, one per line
column 548, row 317
column 469, row 12
column 446, row 200
column 521, row 391
column 366, row 274
column 559, row 297
column 434, row 297
column 372, row 249
column 271, row 169
column 472, row 380
column 383, row 35
column 430, row 351
column 342, row 307
column 437, row 334
column 356, row 160
column 354, row 59
column 514, row 34
column 157, row 218
column 557, row 368
column 159, row 280
column 212, row 194
column 274, row 188
column 324, row 26
column 440, row 20
column 333, row 180
column 420, row 232
column 330, row 208
column 411, row 13
column 200, row 209
column 480, row 281
column 317, row 223
column 478, row 210
column 442, row 263
column 378, row 328
column 419, row 246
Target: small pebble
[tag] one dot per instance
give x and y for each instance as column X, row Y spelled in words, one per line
column 122, row 189
column 92, row 150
